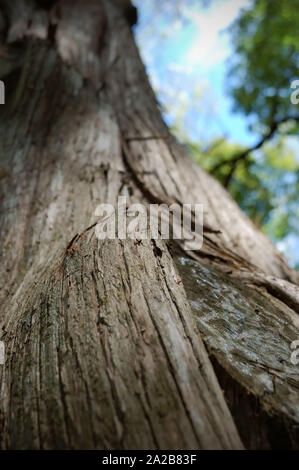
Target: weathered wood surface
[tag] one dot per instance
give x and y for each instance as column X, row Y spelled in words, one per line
column 102, row 348
column 249, row 333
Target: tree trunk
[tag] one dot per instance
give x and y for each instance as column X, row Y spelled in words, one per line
column 104, row 343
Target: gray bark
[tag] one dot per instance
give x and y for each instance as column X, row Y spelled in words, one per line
column 104, row 343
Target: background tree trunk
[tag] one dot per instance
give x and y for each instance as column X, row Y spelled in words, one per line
column 103, row 349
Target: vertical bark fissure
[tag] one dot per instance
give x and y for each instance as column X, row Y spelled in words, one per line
column 172, row 371
column 119, row 354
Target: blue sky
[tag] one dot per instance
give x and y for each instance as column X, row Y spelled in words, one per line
column 192, row 56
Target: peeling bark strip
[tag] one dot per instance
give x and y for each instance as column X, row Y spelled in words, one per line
column 249, row 333
column 102, row 350
column 108, row 357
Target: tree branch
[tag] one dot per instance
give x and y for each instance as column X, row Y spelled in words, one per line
column 233, row 162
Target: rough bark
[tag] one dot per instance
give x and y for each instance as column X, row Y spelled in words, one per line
column 102, row 347
column 248, row 334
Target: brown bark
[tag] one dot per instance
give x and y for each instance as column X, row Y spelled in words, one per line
column 102, row 347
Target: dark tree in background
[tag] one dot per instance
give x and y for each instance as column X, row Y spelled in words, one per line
column 106, row 340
